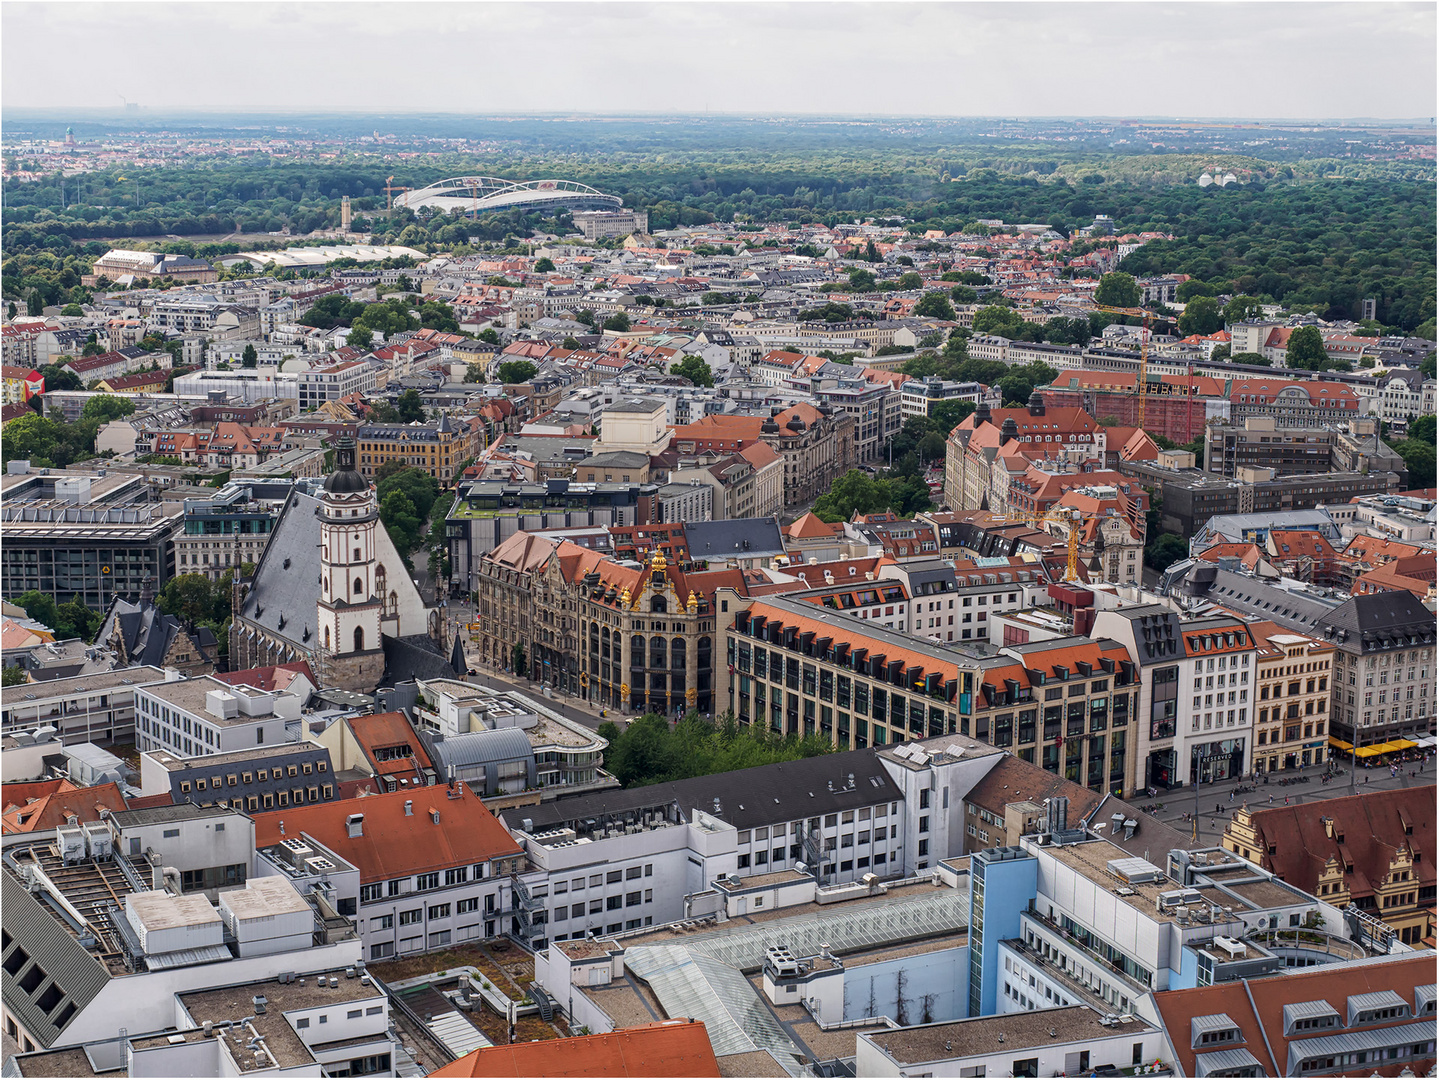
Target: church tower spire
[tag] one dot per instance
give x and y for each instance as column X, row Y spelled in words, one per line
column 351, row 598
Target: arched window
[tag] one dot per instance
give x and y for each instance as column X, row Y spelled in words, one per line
column 379, row 581
column 359, row 587
column 677, row 654
column 359, row 639
column 658, row 605
column 657, row 652
column 327, row 637
column 392, row 606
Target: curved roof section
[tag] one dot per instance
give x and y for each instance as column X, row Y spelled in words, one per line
column 482, row 193
column 483, row 748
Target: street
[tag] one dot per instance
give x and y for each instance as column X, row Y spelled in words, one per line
column 461, row 612
column 1181, row 801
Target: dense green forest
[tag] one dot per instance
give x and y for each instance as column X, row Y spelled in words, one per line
column 1322, row 243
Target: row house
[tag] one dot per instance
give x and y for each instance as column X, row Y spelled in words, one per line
column 1292, row 694
column 1196, row 702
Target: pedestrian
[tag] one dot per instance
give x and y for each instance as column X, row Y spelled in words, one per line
column 1286, row 800
column 1271, row 796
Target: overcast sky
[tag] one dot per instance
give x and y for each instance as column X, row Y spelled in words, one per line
column 1322, row 60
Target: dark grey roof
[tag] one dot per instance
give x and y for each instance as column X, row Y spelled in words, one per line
column 157, row 815
column 747, row 797
column 287, row 580
column 634, row 405
column 1378, row 621
column 415, row 657
column 1250, row 596
column 734, row 538
column 67, row 964
column 624, row 459
column 146, row 631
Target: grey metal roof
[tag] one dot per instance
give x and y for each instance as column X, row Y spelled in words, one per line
column 1223, row 1061
column 482, row 748
column 50, row 946
column 734, row 538
column 1353, row 1042
column 634, row 405
column 1379, row 999
column 1307, row 1010
column 286, row 584
column 1250, row 596
column 1198, row 1025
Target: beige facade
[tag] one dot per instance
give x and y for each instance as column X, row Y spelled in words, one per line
column 1291, row 720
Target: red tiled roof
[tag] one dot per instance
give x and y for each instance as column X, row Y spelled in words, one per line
column 1257, row 1007
column 269, row 679
column 679, row 1047
column 393, row 844
column 51, row 810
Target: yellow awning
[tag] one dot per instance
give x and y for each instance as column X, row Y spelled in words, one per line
column 1403, row 744
column 1340, row 744
column 1370, row 751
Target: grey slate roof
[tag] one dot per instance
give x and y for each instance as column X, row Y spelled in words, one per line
column 1250, row 596
column 415, row 657
column 287, row 580
column 747, row 798
column 146, row 630
column 1384, row 620
column 68, row 964
column 734, row 538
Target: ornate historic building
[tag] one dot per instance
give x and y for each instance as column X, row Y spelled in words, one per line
column 640, row 637
column 330, row 588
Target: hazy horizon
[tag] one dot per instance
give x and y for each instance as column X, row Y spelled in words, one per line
column 1197, row 61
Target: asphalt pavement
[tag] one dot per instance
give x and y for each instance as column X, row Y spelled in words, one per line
column 1217, row 802
column 459, row 614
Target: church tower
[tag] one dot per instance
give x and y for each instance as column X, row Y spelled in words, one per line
column 351, row 593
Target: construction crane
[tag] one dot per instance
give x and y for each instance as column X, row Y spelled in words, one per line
column 1146, row 315
column 1066, row 515
column 389, row 194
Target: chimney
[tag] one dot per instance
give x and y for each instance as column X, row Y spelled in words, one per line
column 1329, row 827
column 409, row 808
column 355, row 824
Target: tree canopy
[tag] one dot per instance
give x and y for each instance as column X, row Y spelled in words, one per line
column 649, row 751
column 695, row 370
column 1117, row 289
column 516, row 371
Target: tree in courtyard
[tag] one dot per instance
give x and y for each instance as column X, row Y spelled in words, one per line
column 695, row 370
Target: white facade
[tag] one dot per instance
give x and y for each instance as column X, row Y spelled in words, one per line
column 627, row 881
column 197, row 717
column 352, row 594
column 333, row 382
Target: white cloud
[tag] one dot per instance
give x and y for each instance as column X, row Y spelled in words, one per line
column 1037, row 59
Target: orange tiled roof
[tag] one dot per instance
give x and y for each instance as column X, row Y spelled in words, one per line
column 665, row 1048
column 51, row 810
column 394, row 844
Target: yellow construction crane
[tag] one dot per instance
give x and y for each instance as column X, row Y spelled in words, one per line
column 390, row 194
column 1067, row 515
column 1143, row 347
